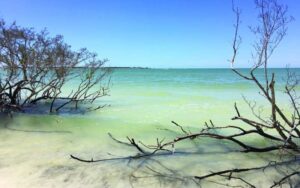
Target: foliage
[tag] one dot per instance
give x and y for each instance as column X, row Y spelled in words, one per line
column 35, row 67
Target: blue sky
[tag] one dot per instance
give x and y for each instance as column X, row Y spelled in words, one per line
column 154, row 33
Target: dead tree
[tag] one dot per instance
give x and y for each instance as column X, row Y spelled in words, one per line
column 281, row 130
column 36, row 68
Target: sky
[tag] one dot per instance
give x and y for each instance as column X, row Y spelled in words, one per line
column 154, row 33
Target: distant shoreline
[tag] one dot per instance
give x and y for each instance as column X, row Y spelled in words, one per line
column 203, row 68
column 243, row 68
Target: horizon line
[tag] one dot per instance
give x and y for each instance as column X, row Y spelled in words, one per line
column 138, row 67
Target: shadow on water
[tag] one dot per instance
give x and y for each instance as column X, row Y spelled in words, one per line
column 43, row 109
column 180, row 168
column 160, row 173
column 8, row 118
column 38, row 131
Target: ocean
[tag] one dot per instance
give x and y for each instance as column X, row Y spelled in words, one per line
column 35, row 149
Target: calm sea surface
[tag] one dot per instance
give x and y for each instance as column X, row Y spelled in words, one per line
column 35, row 149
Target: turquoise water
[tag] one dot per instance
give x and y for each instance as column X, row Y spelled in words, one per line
column 35, row 148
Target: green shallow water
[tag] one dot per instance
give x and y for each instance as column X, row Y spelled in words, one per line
column 35, row 148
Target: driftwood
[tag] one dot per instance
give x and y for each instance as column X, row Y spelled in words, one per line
column 280, row 131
